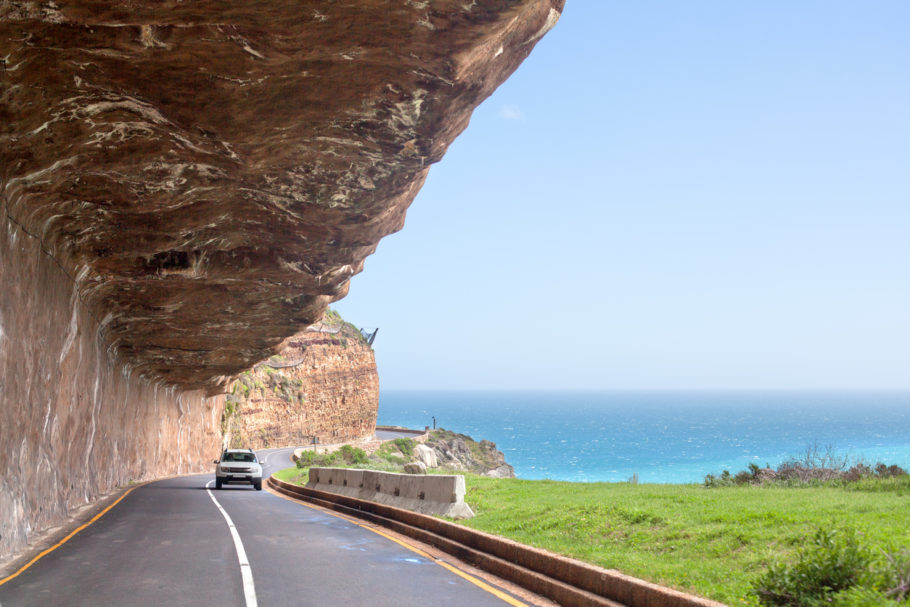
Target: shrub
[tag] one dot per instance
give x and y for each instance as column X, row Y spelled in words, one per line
column 861, row 597
column 306, row 459
column 832, row 562
column 397, row 451
column 742, row 478
column 895, row 574
column 353, row 455
column 883, row 471
column 405, row 445
column 724, row 480
column 816, row 466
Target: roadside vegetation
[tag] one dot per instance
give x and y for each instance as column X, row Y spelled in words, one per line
column 815, row 466
column 390, row 457
column 805, row 539
column 738, row 544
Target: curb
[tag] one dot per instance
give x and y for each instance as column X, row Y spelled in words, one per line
column 567, row 581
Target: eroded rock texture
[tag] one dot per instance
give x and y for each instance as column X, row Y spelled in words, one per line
column 183, row 185
column 323, row 384
column 211, row 174
column 72, row 425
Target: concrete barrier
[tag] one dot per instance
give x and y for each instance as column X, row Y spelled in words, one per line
column 567, row 581
column 437, row 494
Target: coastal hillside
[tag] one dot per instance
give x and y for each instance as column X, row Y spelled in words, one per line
column 438, row 450
column 322, row 384
column 460, row 452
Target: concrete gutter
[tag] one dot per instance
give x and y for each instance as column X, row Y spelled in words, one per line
column 567, row 581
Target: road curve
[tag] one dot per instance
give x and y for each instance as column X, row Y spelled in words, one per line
column 167, row 543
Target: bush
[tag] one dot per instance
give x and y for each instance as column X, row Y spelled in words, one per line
column 405, row 445
column 816, row 466
column 883, row 471
column 832, row 562
column 862, row 597
column 397, row 452
column 306, row 459
column 895, row 574
column 353, row 455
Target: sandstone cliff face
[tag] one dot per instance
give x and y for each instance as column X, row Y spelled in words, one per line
column 322, row 384
column 73, row 426
column 183, row 186
column 210, row 175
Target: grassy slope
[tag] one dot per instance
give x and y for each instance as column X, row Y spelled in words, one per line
column 292, row 475
column 712, row 542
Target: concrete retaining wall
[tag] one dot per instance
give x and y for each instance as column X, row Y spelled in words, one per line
column 442, row 495
column 567, row 581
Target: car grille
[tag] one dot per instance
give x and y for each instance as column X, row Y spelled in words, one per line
column 237, row 470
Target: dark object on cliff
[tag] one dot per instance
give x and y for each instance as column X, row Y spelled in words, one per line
column 369, row 337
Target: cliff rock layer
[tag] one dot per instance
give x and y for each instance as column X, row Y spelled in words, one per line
column 183, row 186
column 322, row 384
column 210, row 175
column 72, row 426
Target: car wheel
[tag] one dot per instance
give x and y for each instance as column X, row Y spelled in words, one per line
column 258, row 484
column 217, row 483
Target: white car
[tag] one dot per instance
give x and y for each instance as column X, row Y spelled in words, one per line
column 238, row 466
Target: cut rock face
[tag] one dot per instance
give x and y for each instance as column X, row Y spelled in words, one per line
column 210, row 175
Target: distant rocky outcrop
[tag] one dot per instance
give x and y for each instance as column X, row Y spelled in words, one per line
column 461, row 452
column 323, row 384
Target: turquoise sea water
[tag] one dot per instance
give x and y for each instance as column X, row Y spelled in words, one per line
column 663, row 437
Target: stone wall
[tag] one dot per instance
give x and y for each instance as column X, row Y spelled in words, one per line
column 321, row 384
column 74, row 424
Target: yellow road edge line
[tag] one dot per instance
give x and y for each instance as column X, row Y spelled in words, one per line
column 463, row 574
column 44, row 553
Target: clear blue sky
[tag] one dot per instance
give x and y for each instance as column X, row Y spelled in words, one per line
column 667, row 195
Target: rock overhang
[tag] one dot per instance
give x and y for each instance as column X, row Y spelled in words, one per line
column 211, row 174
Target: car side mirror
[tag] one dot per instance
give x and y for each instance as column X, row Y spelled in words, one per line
column 261, row 462
column 215, row 462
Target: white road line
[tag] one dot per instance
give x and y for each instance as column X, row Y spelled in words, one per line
column 249, row 590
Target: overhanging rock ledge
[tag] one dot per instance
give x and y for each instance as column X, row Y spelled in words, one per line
column 210, row 175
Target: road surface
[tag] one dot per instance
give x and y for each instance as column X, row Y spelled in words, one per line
column 168, row 543
column 390, row 434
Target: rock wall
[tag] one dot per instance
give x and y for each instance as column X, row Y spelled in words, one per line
column 183, row 186
column 74, row 426
column 321, row 384
column 212, row 174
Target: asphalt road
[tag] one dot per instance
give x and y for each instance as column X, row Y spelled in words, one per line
column 390, row 434
column 168, row 543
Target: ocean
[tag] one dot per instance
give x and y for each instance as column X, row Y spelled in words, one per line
column 662, row 437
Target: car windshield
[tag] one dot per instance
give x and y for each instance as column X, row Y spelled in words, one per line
column 238, row 457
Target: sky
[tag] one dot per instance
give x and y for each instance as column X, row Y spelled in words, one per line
column 666, row 196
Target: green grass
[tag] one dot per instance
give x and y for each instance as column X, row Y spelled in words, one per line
column 712, row 542
column 293, row 475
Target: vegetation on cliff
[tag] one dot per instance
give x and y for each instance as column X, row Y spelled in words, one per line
column 447, row 452
column 322, row 384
